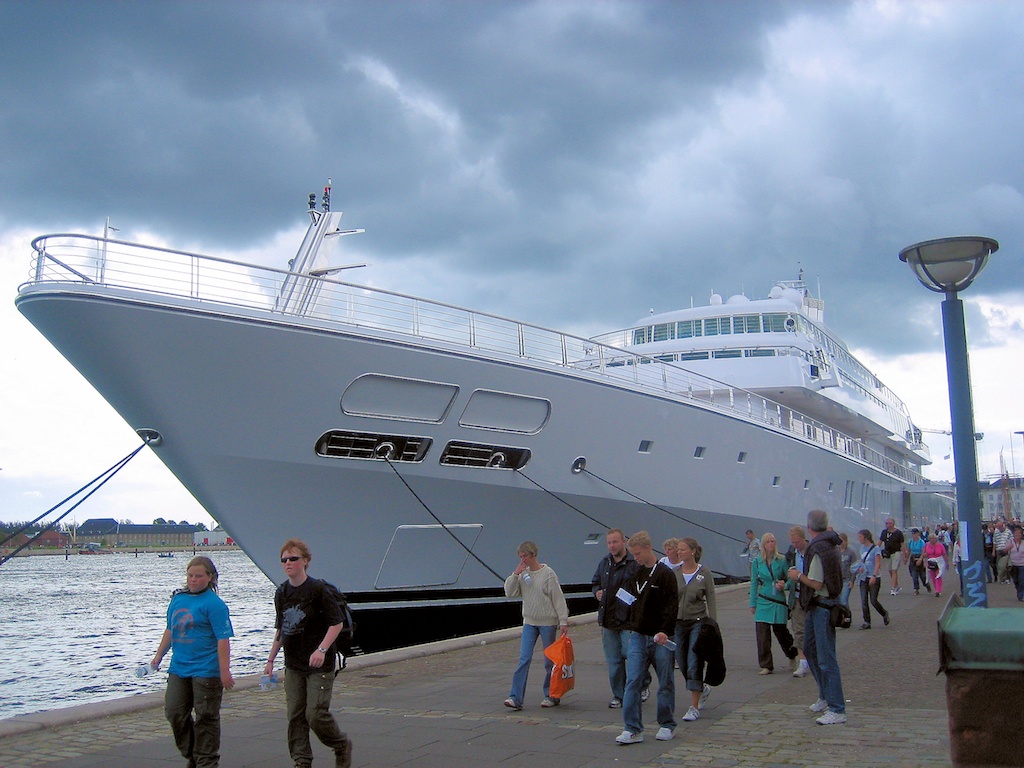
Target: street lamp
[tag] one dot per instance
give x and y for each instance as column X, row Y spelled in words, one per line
column 949, row 265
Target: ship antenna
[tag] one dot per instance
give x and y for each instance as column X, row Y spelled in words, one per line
column 312, row 201
column 326, row 204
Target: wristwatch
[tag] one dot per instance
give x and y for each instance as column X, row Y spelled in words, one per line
column 322, row 650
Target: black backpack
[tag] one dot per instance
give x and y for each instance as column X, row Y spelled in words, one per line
column 344, row 642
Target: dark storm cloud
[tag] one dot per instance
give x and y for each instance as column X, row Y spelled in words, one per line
column 573, row 163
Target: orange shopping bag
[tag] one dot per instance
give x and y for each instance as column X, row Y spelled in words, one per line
column 563, row 676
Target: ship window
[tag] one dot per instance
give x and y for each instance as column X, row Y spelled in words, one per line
column 693, row 356
column 664, row 331
column 645, row 446
column 665, row 358
column 830, row 485
column 807, row 484
column 742, row 457
column 699, row 452
column 746, row 324
column 775, row 481
column 722, row 353
column 717, row 326
column 759, row 353
column 639, row 335
column 686, row 329
column 775, row 323
column 593, row 538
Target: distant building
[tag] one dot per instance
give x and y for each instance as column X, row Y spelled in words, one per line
column 1002, row 498
column 209, row 538
column 111, row 533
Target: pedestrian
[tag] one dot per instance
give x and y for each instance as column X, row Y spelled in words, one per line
column 769, row 606
column 986, row 536
column 1001, row 538
column 307, row 621
column 752, row 547
column 544, row 612
column 671, row 558
column 891, row 542
column 937, row 560
column 820, row 584
column 914, row 548
column 615, row 570
column 198, row 633
column 653, row 602
column 696, row 587
column 847, row 557
column 869, row 579
column 797, row 616
column 1017, row 561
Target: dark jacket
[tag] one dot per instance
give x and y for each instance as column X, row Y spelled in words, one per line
column 824, row 546
column 710, row 650
column 610, row 576
column 657, row 601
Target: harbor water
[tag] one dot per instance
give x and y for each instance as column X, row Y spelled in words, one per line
column 75, row 629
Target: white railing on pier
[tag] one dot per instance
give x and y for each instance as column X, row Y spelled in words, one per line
column 223, row 283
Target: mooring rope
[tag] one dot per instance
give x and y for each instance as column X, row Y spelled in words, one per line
column 106, row 475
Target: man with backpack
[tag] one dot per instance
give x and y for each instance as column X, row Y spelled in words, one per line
column 821, row 581
column 308, row 620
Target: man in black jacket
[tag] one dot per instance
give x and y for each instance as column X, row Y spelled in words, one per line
column 653, row 600
column 615, row 570
column 821, row 581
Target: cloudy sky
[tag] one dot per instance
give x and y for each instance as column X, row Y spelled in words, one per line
column 570, row 164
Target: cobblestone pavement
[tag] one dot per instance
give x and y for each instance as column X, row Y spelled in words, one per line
column 446, row 710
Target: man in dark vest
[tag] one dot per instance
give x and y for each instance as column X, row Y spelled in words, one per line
column 821, row 581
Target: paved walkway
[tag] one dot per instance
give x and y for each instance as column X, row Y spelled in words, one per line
column 445, row 710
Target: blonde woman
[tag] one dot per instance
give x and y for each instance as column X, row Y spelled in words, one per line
column 696, row 587
column 768, row 604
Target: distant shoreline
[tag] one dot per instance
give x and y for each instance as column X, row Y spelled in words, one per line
column 73, row 551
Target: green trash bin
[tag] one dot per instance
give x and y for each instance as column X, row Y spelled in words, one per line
column 981, row 650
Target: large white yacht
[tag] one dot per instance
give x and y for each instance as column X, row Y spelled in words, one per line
column 415, row 444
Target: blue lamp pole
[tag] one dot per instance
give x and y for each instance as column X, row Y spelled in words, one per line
column 948, row 266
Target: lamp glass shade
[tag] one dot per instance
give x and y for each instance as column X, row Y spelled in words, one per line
column 950, row 264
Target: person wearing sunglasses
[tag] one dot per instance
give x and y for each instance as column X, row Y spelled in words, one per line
column 307, row 623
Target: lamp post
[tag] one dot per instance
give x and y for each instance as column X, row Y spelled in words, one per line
column 948, row 266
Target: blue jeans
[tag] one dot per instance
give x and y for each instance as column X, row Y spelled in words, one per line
column 820, row 650
column 692, row 669
column 526, row 646
column 643, row 652
column 844, row 596
column 615, row 643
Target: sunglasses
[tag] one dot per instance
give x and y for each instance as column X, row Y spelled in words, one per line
column 290, row 559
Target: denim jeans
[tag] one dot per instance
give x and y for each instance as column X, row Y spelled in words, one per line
column 869, row 593
column 820, row 650
column 197, row 740
column 844, row 596
column 643, row 652
column 615, row 643
column 309, row 707
column 526, row 646
column 686, row 636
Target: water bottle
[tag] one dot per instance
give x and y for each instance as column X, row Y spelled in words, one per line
column 268, row 682
column 527, row 577
column 145, row 669
column 670, row 644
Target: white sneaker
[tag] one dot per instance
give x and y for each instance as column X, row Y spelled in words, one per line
column 831, row 718
column 892, row 593
column 802, row 670
column 629, row 738
column 691, row 715
column 898, row 590
column 704, row 696
column 819, row 706
column 665, row 734
column 645, row 694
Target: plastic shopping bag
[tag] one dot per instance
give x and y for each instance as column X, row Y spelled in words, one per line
column 563, row 675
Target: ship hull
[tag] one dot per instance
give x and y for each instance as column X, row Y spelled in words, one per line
column 241, row 399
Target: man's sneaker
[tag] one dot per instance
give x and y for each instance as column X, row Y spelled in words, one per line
column 511, row 704
column 549, row 702
column 794, row 663
column 629, row 738
column 898, row 590
column 665, row 734
column 615, row 703
column 645, row 694
column 831, row 718
column 892, row 593
column 819, row 706
column 704, row 696
column 691, row 715
column 802, row 670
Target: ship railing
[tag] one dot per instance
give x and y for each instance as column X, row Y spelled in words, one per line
column 323, row 301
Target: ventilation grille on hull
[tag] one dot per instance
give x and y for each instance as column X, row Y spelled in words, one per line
column 461, row 454
column 341, row 444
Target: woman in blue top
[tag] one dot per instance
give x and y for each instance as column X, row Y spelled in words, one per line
column 198, row 631
column 869, row 577
column 768, row 604
column 915, row 550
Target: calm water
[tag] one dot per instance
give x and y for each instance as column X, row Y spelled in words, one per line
column 73, row 631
